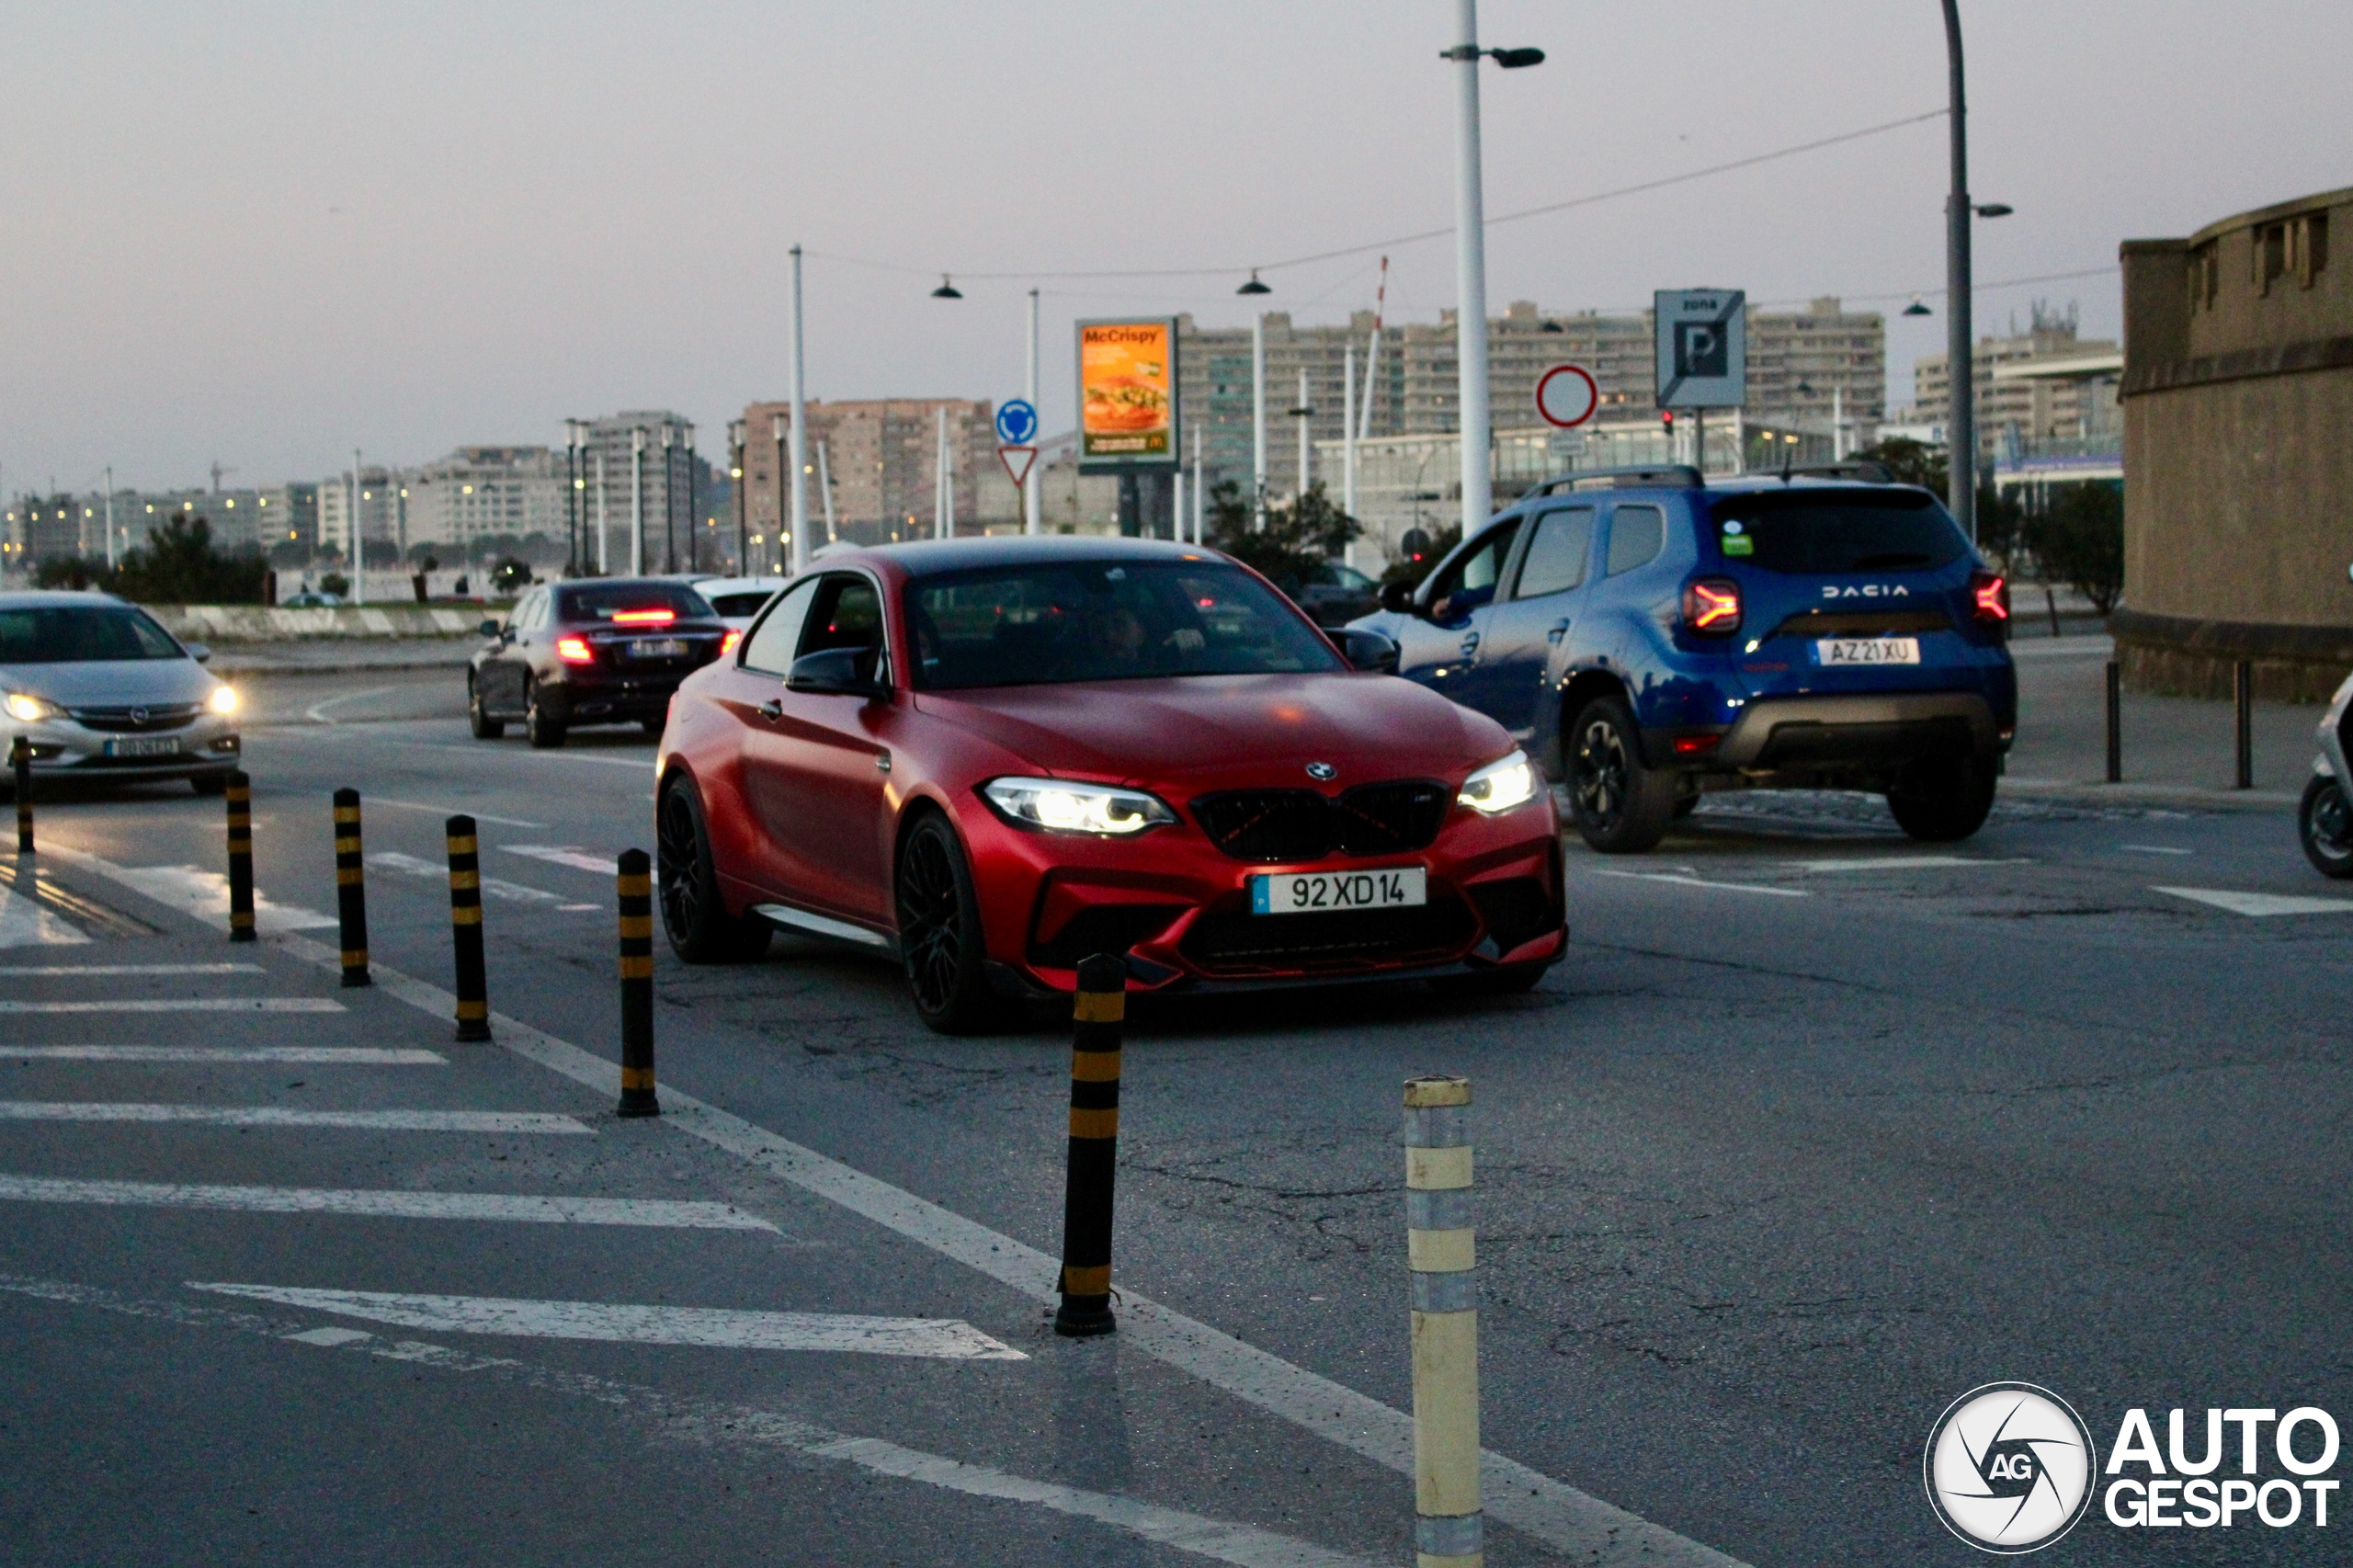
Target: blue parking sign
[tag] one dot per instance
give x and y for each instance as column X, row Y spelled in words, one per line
column 1016, row 423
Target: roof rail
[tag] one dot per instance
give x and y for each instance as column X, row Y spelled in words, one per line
column 1869, row 470
column 1681, row 476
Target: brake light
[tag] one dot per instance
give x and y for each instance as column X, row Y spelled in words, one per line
column 727, row 644
column 1992, row 594
column 1696, row 746
column 1711, row 605
column 644, row 617
column 575, row 650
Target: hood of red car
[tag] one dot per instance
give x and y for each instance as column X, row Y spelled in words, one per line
column 1229, row 730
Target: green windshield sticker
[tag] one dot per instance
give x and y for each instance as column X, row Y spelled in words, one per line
column 1739, row 544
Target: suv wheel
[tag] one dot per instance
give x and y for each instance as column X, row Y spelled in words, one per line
column 2325, row 822
column 542, row 727
column 939, row 931
column 485, row 727
column 694, row 916
column 1941, row 801
column 1622, row 804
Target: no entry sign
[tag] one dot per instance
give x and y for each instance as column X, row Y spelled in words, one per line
column 1566, row 395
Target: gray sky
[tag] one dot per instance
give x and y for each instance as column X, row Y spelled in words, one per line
column 271, row 233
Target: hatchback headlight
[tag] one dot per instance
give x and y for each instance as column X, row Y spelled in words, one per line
column 30, row 709
column 1500, row 786
column 223, row 701
column 1061, row 806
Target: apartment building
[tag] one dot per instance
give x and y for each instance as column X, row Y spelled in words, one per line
column 2043, row 385
column 877, row 459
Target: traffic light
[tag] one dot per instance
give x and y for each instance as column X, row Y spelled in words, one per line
column 1666, row 421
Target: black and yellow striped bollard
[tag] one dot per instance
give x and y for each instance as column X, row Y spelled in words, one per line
column 1448, row 1527
column 465, row 928
column 635, row 887
column 241, row 858
column 350, row 888
column 20, row 758
column 1099, row 1011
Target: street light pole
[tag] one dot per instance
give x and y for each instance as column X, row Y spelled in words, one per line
column 669, row 498
column 1470, row 278
column 1961, row 419
column 1031, row 518
column 637, row 502
column 735, row 478
column 799, row 435
column 359, row 532
column 1258, row 420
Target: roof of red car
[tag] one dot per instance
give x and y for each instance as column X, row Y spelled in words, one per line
column 921, row 558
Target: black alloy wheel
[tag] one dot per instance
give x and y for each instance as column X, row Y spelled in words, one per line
column 478, row 719
column 1622, row 805
column 541, row 727
column 694, row 916
column 1945, row 800
column 2325, row 823
column 939, row 931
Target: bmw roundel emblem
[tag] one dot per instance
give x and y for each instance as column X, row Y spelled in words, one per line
column 1321, row 772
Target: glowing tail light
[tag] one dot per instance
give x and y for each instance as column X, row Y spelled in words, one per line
column 1711, row 605
column 644, row 617
column 1992, row 595
column 727, row 644
column 575, row 650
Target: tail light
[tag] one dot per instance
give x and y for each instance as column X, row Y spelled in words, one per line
column 575, row 650
column 727, row 644
column 644, row 617
column 1711, row 606
column 1992, row 595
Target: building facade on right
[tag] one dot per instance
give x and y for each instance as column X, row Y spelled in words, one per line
column 2238, row 493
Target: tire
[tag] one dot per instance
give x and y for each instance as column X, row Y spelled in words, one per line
column 1508, row 980
column 2324, row 823
column 1943, row 801
column 694, row 915
column 210, row 783
column 941, row 941
column 1621, row 805
column 542, row 728
column 478, row 719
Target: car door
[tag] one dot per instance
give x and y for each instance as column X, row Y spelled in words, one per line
column 1443, row 641
column 1522, row 637
column 750, row 687
column 502, row 675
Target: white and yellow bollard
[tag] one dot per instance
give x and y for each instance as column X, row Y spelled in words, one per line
column 1448, row 1529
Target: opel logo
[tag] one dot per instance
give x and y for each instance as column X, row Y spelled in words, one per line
column 1321, row 772
column 139, row 715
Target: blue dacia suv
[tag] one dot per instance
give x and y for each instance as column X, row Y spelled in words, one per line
column 1650, row 636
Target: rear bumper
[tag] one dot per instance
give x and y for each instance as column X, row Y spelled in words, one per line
column 1790, row 733
column 610, row 701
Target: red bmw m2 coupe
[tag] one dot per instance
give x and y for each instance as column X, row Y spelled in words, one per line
column 991, row 758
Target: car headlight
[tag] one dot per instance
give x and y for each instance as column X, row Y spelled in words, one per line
column 1500, row 786
column 223, row 701
column 30, row 709
column 1061, row 806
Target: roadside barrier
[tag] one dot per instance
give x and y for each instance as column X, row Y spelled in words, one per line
column 1099, row 1014
column 635, row 886
column 2115, row 722
column 239, row 795
column 20, row 757
column 1448, row 1528
column 2243, row 718
column 351, row 888
column 465, row 928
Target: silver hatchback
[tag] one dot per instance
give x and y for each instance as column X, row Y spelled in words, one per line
column 101, row 691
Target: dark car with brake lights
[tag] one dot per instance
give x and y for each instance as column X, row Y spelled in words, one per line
column 1649, row 636
column 992, row 758
column 590, row 650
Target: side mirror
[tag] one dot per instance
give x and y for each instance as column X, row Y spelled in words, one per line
column 1397, row 599
column 199, row 652
column 488, row 628
column 1368, row 651
column 846, row 672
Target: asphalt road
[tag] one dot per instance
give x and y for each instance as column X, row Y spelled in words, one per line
column 1813, row 1130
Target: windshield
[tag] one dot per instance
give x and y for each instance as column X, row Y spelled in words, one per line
column 1086, row 620
column 632, row 602
column 65, row 634
column 1862, row 530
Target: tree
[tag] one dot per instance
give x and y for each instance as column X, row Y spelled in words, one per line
column 2080, row 541
column 1414, row 568
column 1297, row 541
column 1910, row 462
column 180, row 564
column 72, row 572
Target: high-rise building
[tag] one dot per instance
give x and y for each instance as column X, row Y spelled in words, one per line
column 2017, row 408
column 479, row 493
column 878, row 458
column 638, row 474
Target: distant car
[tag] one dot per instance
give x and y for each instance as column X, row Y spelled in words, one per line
column 739, row 600
column 102, row 691
column 595, row 650
column 1334, row 594
column 311, row 599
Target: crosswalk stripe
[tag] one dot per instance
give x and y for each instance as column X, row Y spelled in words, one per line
column 523, row 1208
column 25, row 923
column 514, row 892
column 320, row 1055
column 287, row 1116
column 196, row 892
column 721, row 1328
column 183, row 1005
column 2261, row 903
column 564, row 854
column 55, row 970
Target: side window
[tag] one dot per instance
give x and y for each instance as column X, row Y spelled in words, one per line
column 535, row 613
column 847, row 613
column 1557, row 555
column 1636, row 535
column 770, row 645
column 1471, row 581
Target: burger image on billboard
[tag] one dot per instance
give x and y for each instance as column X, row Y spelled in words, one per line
column 1127, row 390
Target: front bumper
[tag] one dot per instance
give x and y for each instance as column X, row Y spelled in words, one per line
column 64, row 749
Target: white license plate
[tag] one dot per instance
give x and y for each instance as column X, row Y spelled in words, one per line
column 1295, row 893
column 1868, row 650
column 658, row 648
column 159, row 745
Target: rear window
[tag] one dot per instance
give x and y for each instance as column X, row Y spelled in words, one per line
column 629, row 604
column 742, row 604
column 65, row 634
column 1815, row 532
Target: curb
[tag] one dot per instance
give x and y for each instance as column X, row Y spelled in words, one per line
column 2095, row 794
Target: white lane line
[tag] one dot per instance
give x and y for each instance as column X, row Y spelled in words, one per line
column 1684, row 881
column 2155, row 849
column 1901, row 863
column 26, row 923
column 524, row 1207
column 948, row 1339
column 564, row 854
column 2261, row 903
column 317, row 711
column 315, row 1055
column 185, row 1004
column 1244, row 1546
column 1560, row 1514
column 287, row 1116
column 646, row 765
column 60, row 969
column 445, row 811
column 194, row 891
column 514, row 892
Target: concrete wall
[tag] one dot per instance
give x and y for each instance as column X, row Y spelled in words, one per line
column 254, row 623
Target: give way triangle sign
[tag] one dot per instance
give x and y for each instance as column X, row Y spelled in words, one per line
column 1016, row 461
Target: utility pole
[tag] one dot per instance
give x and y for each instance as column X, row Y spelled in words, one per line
column 1258, row 422
column 1349, row 428
column 826, row 491
column 110, row 552
column 1201, row 490
column 573, row 552
column 637, row 502
column 1470, row 278
column 735, row 477
column 694, row 539
column 1031, row 517
column 1960, row 421
column 939, row 472
column 1305, row 415
column 604, row 527
column 799, row 433
column 358, row 528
